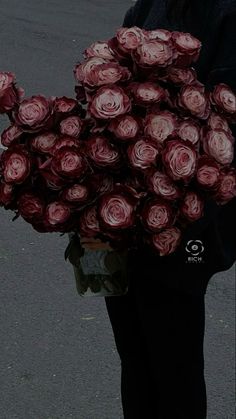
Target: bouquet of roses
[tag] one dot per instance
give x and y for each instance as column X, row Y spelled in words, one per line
column 134, row 157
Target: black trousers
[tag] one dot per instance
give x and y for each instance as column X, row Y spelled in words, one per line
column 159, row 338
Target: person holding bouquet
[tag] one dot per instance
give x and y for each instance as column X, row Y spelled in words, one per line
column 159, row 324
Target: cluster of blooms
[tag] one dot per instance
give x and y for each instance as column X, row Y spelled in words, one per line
column 134, row 157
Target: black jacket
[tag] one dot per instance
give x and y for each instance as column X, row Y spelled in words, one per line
column 214, row 23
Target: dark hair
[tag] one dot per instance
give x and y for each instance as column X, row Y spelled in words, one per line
column 177, row 9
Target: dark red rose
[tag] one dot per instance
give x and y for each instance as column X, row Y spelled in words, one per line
column 109, row 102
column 89, row 222
column 192, row 206
column 189, row 130
column 161, row 34
column 129, row 38
column 188, row 48
column 154, row 53
column 6, row 194
column 16, row 164
column 224, row 99
column 208, row 172
column 147, row 93
column 44, row 143
column 167, row 241
column 179, row 159
column 193, row 99
column 64, row 141
column 34, row 114
column 227, row 186
column 161, row 126
column 160, row 184
column 69, row 162
column 11, row 135
column 219, row 144
column 71, row 126
column 157, row 215
column 108, row 73
column 82, row 71
column 31, row 207
column 180, row 76
column 142, row 154
column 102, row 153
column 116, row 211
column 125, row 127
column 75, row 194
column 99, row 49
column 216, row 121
column 64, row 105
column 10, row 95
column 57, row 213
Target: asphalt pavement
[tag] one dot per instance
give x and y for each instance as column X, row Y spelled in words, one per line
column 57, row 353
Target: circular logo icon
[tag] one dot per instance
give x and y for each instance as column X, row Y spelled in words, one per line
column 195, row 247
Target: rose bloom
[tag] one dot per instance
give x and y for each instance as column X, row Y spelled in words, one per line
column 227, row 186
column 75, row 194
column 167, row 241
column 160, row 126
column 188, row 48
column 65, row 105
column 189, row 130
column 71, row 126
column 64, row 141
column 142, row 154
column 16, row 164
column 161, row 34
column 11, row 135
column 181, row 76
column 89, row 222
column 208, row 172
column 82, row 71
column 125, row 127
column 109, row 102
column 147, row 93
column 154, row 53
column 57, row 213
column 219, row 145
column 116, row 211
column 102, row 152
column 109, row 73
column 157, row 215
column 216, row 121
column 160, row 184
column 129, row 38
column 9, row 94
column 99, row 49
column 34, row 114
column 193, row 99
column 69, row 162
column 44, row 143
column 6, row 194
column 192, row 206
column 180, row 160
column 224, row 99
column 31, row 207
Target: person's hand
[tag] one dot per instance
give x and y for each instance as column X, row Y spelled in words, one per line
column 94, row 244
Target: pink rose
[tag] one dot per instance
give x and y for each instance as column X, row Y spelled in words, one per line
column 157, row 215
column 102, row 152
column 89, row 222
column 189, row 130
column 69, row 162
column 99, row 49
column 109, row 102
column 216, row 121
column 65, row 106
column 224, row 99
column 11, row 135
column 116, row 211
column 75, row 194
column 154, row 53
column 208, row 172
column 105, row 74
column 227, row 186
column 147, row 93
column 181, row 76
column 16, row 164
column 179, row 159
column 57, row 213
column 10, row 95
column 31, row 207
column 142, row 154
column 193, row 99
column 167, row 241
column 34, row 114
column 161, row 34
column 160, row 184
column 219, row 145
column 82, row 71
column 129, row 38
column 125, row 127
column 44, row 143
column 188, row 48
column 192, row 206
column 71, row 126
column 160, row 126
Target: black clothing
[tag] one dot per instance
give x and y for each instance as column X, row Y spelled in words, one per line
column 213, row 22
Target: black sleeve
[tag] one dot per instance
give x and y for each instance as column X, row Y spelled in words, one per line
column 128, row 20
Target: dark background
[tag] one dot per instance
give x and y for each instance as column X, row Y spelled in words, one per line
column 57, row 353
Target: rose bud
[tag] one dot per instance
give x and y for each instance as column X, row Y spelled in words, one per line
column 227, row 186
column 99, row 49
column 88, row 222
column 69, row 162
column 31, row 207
column 147, row 93
column 160, row 126
column 11, row 135
column 142, row 154
column 44, row 143
column 9, row 94
column 188, row 48
column 193, row 99
column 57, row 213
column 216, row 121
column 16, row 164
column 34, row 114
column 180, row 76
column 109, row 102
column 129, row 38
column 189, row 130
column 160, row 184
column 208, row 172
column 71, row 126
column 82, row 71
column 154, row 53
column 75, row 194
column 157, row 215
column 65, row 141
column 6, row 194
column 116, row 211
column 179, row 159
column 125, row 127
column 109, row 73
column 192, row 206
column 224, row 99
column 167, row 241
column 102, row 153
column 161, row 34
column 100, row 183
column 219, row 145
